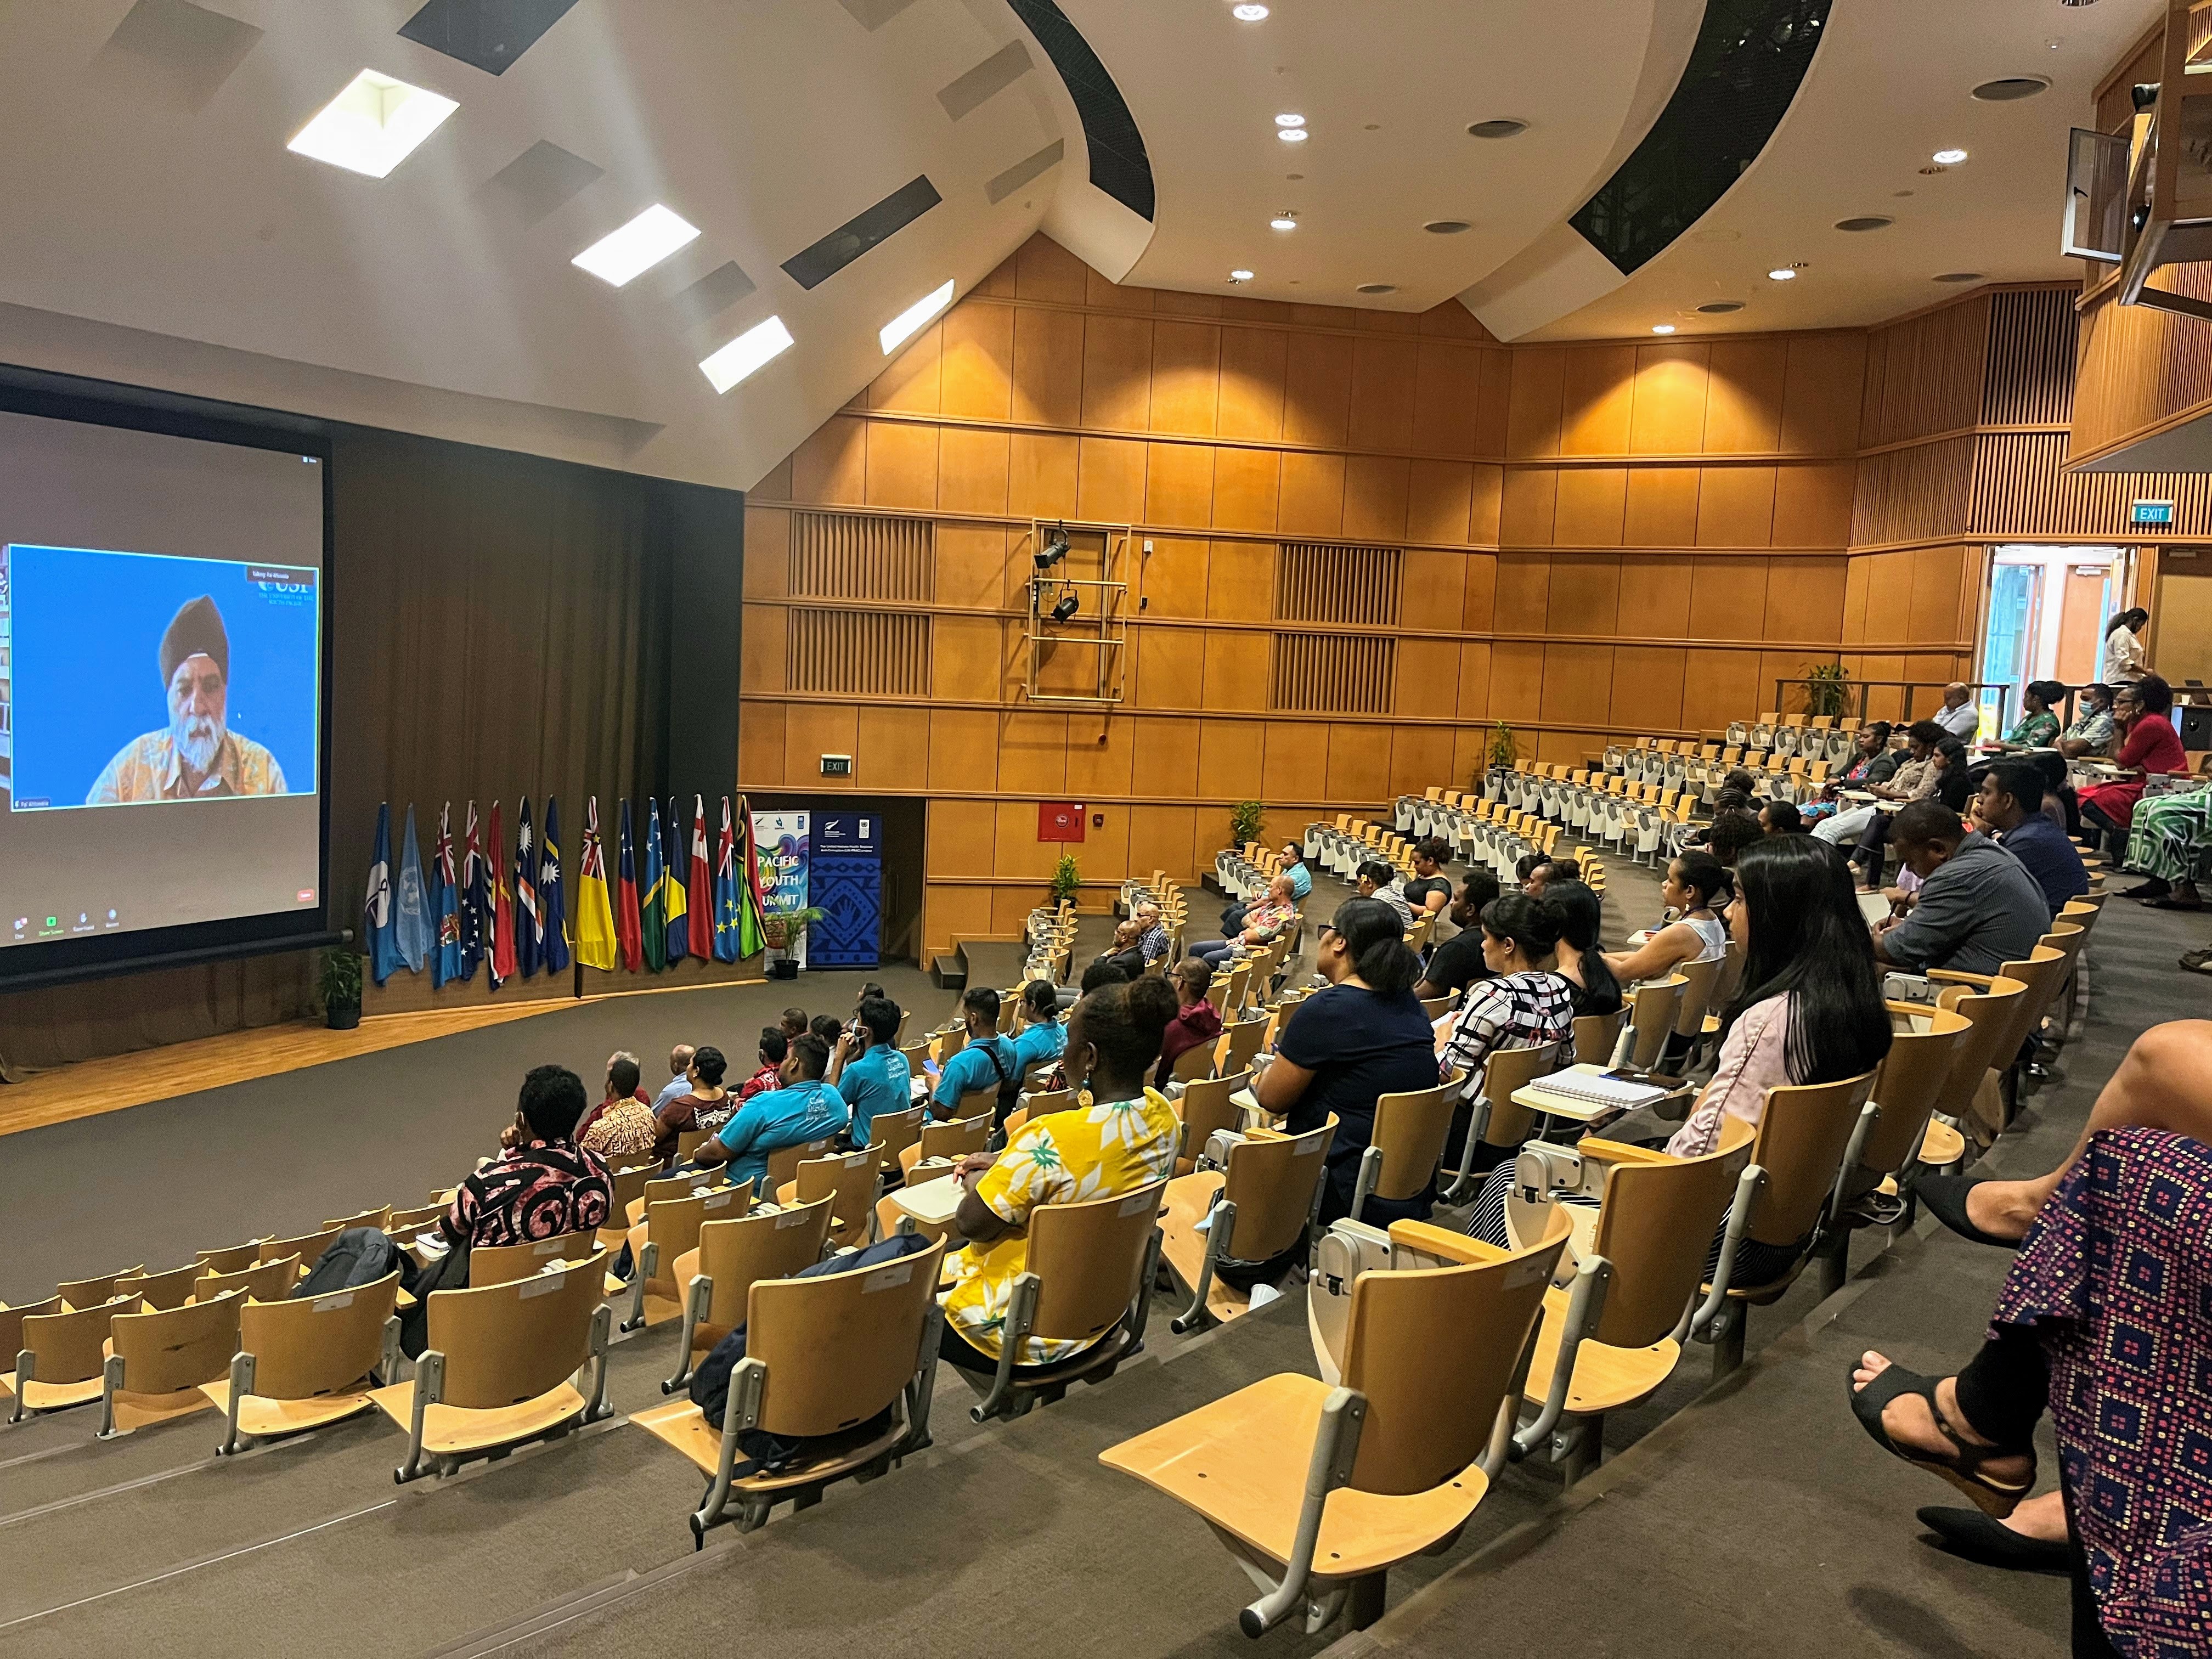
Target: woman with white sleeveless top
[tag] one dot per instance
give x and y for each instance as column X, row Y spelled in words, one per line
column 1695, row 931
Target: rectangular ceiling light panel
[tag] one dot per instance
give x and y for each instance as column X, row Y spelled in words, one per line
column 373, row 125
column 900, row 328
column 486, row 34
column 638, row 246
column 817, row 264
column 758, row 344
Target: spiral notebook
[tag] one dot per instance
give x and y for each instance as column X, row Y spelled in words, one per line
column 1594, row 1088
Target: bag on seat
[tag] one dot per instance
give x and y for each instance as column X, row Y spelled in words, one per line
column 359, row 1256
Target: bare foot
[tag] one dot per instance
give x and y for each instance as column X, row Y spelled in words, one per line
column 1907, row 1420
column 2043, row 1519
column 2004, row 1209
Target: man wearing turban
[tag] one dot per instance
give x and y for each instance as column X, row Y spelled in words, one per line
column 196, row 756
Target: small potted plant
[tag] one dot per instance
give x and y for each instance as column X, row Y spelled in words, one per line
column 1828, row 688
column 1066, row 879
column 782, row 930
column 1245, row 821
column 341, row 988
column 1504, row 750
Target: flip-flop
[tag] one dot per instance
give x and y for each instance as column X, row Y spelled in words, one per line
column 2146, row 890
column 2198, row 962
column 1945, row 1197
column 2171, row 905
column 1994, row 1498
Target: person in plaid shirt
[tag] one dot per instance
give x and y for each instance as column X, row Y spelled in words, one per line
column 1525, row 1006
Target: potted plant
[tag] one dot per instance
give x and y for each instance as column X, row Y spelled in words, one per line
column 1067, row 878
column 1828, row 688
column 1504, row 751
column 340, row 986
column 1245, row 820
column 782, row 930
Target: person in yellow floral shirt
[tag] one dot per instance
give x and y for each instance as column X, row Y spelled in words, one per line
column 196, row 756
column 1124, row 1139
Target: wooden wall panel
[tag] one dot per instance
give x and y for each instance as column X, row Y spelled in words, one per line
column 1743, row 399
column 1668, row 413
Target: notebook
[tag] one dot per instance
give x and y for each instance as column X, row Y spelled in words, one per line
column 1595, row 1088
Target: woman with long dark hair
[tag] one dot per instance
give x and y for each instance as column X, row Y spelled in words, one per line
column 1363, row 1036
column 2125, row 659
column 1524, row 1005
column 1576, row 958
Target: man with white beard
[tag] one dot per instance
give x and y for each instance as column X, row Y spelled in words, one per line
column 197, row 757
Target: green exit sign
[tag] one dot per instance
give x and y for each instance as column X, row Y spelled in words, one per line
column 2159, row 513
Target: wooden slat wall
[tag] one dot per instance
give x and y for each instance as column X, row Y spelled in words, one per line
column 1925, row 375
column 1334, row 673
column 2031, row 358
column 1320, row 583
column 1915, row 495
column 2022, row 491
column 2141, row 368
column 873, row 653
column 850, row 556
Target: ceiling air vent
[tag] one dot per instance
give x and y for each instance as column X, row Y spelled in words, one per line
column 2011, row 88
column 813, row 266
column 1119, row 165
column 1865, row 222
column 486, row 34
column 1720, row 307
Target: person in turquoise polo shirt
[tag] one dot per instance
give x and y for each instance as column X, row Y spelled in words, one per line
column 868, row 1070
column 988, row 1062
column 805, row 1109
column 1042, row 1037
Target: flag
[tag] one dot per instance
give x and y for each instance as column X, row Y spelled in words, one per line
column 529, row 931
column 475, row 901
column 726, row 890
column 751, row 936
column 675, row 900
column 700, row 899
column 595, row 916
column 499, row 921
column 444, row 903
column 629, row 929
column 653, row 917
column 377, row 916
column 410, row 922
column 552, row 914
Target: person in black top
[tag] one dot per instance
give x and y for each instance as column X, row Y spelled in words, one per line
column 1457, row 963
column 1363, row 1037
column 1430, row 854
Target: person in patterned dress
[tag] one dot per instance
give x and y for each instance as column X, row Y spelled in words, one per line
column 542, row 1185
column 2170, row 843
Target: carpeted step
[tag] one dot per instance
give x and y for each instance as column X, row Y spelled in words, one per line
column 949, row 972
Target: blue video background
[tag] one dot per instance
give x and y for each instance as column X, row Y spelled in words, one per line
column 86, row 679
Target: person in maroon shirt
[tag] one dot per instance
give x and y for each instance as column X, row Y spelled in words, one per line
column 1195, row 1021
column 706, row 1097
column 542, row 1185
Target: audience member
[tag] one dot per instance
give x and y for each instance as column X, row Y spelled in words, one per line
column 1577, row 957
column 1294, row 867
column 827, row 1028
column 542, row 1185
column 2141, row 709
column 1196, row 1020
column 1959, row 715
column 1977, row 907
column 2170, row 845
column 867, row 1069
column 1041, row 1037
column 1945, row 782
column 1429, row 890
column 1105, row 970
column 1691, row 930
column 1874, row 762
column 1378, row 881
column 622, row 1125
column 805, row 1109
column 1780, row 817
column 987, row 1065
column 1261, row 923
column 1126, row 952
column 773, row 1045
column 1920, row 738
column 795, row 1023
column 1524, row 1005
column 2009, row 809
column 1533, row 870
column 2090, row 735
column 1362, row 1037
column 2036, row 726
column 1457, row 963
column 1151, row 938
column 1737, row 792
column 1726, row 837
column 1126, row 1138
column 706, row 1092
column 679, row 1081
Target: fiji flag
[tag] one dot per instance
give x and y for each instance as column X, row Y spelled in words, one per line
column 552, row 918
column 377, row 918
column 499, row 920
column 671, row 886
column 653, row 918
column 529, row 931
column 412, row 922
column 629, row 929
column 726, row 891
column 445, row 901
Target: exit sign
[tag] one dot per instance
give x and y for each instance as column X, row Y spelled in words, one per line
column 836, row 765
column 2159, row 513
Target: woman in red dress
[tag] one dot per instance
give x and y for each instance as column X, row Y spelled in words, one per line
column 2140, row 708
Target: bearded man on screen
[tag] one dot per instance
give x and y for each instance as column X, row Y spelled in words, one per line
column 198, row 756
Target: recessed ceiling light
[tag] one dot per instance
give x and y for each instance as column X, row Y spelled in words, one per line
column 1293, row 135
column 373, row 125
column 896, row 333
column 1290, row 120
column 1782, row 274
column 1377, row 288
column 755, row 346
column 1865, row 222
column 1720, row 307
column 1284, row 223
column 638, row 246
column 1948, row 158
column 1505, row 127
column 1663, row 328
column 1240, row 276
column 1249, row 13
column 1447, row 226
column 1958, row 277
column 2009, row 89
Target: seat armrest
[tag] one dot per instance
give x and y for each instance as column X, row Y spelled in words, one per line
column 1614, row 1152
column 1955, row 977
column 1431, row 1240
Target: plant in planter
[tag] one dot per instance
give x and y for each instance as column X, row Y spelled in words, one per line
column 1828, row 689
column 782, row 930
column 1245, row 819
column 1504, row 750
column 1067, row 878
column 340, row 987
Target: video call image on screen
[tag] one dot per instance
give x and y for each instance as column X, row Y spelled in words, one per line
column 161, row 665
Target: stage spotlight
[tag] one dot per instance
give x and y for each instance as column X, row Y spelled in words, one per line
column 1053, row 550
column 1065, row 608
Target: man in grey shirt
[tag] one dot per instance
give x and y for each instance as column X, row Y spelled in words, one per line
column 1977, row 909
column 679, row 1061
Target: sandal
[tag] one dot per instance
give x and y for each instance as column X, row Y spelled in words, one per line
column 1945, row 1197
column 2147, row 889
column 2198, row 962
column 2171, row 905
column 1994, row 1498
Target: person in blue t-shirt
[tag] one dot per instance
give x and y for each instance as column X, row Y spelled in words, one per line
column 987, row 1064
column 1042, row 1037
column 805, row 1109
column 868, row 1070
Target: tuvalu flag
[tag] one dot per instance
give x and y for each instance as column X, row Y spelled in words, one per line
column 653, row 917
column 726, row 890
column 629, row 931
column 528, row 933
column 595, row 915
column 552, row 916
column 675, row 900
column 444, row 903
column 499, row 917
column 701, row 896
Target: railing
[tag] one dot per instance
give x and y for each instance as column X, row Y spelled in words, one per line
column 1866, row 688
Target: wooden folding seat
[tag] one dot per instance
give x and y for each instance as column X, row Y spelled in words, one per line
column 850, row 1181
column 1043, row 1103
column 891, row 1133
column 59, row 1364
column 1320, row 1491
column 1088, row 1279
column 502, row 1264
column 1653, row 1009
column 96, row 1290
column 825, row 1359
column 670, row 1227
column 783, row 1163
column 1808, row 1137
column 302, row 1364
column 496, row 1373
column 1723, row 993
column 950, row 1040
column 230, row 1259
column 1621, row 1323
column 1193, row 1063
column 172, row 1289
column 265, row 1281
column 1260, row 1205
column 11, row 1331
column 1493, row 1116
column 1237, row 1045
column 1400, row 1160
column 1435, row 1008
column 719, row 1273
column 2043, row 973
column 1596, row 1035
column 424, row 1217
column 1700, row 981
column 379, row 1218
column 627, row 1188
column 916, row 1053
column 156, row 1362
column 308, row 1247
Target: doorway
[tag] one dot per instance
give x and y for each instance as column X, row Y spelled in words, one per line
column 2045, row 619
